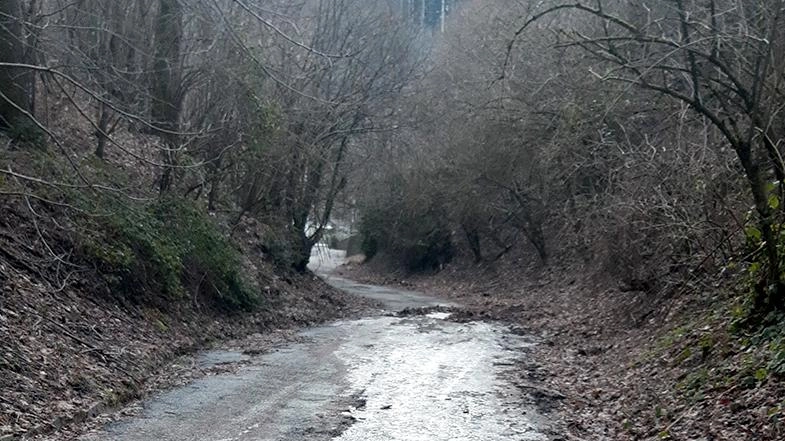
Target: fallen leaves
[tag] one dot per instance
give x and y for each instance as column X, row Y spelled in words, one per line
column 66, row 357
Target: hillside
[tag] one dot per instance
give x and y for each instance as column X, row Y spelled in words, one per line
column 75, row 345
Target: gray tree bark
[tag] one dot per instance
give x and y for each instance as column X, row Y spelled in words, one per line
column 167, row 81
column 14, row 83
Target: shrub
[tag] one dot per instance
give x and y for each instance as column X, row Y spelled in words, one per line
column 25, row 131
column 169, row 248
column 414, row 231
column 128, row 245
column 279, row 249
column 205, row 253
column 428, row 248
column 372, row 229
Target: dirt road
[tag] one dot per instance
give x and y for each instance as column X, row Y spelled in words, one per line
column 387, row 377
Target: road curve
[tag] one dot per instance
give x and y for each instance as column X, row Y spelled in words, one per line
column 379, row 378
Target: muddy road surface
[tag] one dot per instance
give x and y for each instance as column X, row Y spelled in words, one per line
column 387, row 377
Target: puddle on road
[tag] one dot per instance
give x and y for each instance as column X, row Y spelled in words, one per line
column 392, row 298
column 210, row 359
column 441, row 384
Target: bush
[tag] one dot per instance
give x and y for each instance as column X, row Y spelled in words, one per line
column 169, row 248
column 205, row 253
column 428, row 249
column 279, row 249
column 372, row 230
column 25, row 131
column 412, row 230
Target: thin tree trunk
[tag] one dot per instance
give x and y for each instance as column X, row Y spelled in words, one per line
column 14, row 83
column 166, row 87
column 104, row 118
column 771, row 295
column 473, row 239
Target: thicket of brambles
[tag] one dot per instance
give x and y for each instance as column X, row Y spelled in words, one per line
column 643, row 137
column 143, row 137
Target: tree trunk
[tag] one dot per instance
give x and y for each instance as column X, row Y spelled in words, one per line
column 769, row 296
column 530, row 222
column 215, row 184
column 303, row 253
column 303, row 244
column 167, row 93
column 473, row 239
column 14, row 83
column 102, row 131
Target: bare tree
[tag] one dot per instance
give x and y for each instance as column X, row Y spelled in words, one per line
column 340, row 90
column 719, row 58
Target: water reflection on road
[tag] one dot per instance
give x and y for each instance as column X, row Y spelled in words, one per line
column 382, row 378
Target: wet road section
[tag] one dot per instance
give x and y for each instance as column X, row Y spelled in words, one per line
column 412, row 378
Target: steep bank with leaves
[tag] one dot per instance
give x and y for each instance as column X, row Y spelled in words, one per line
column 101, row 292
